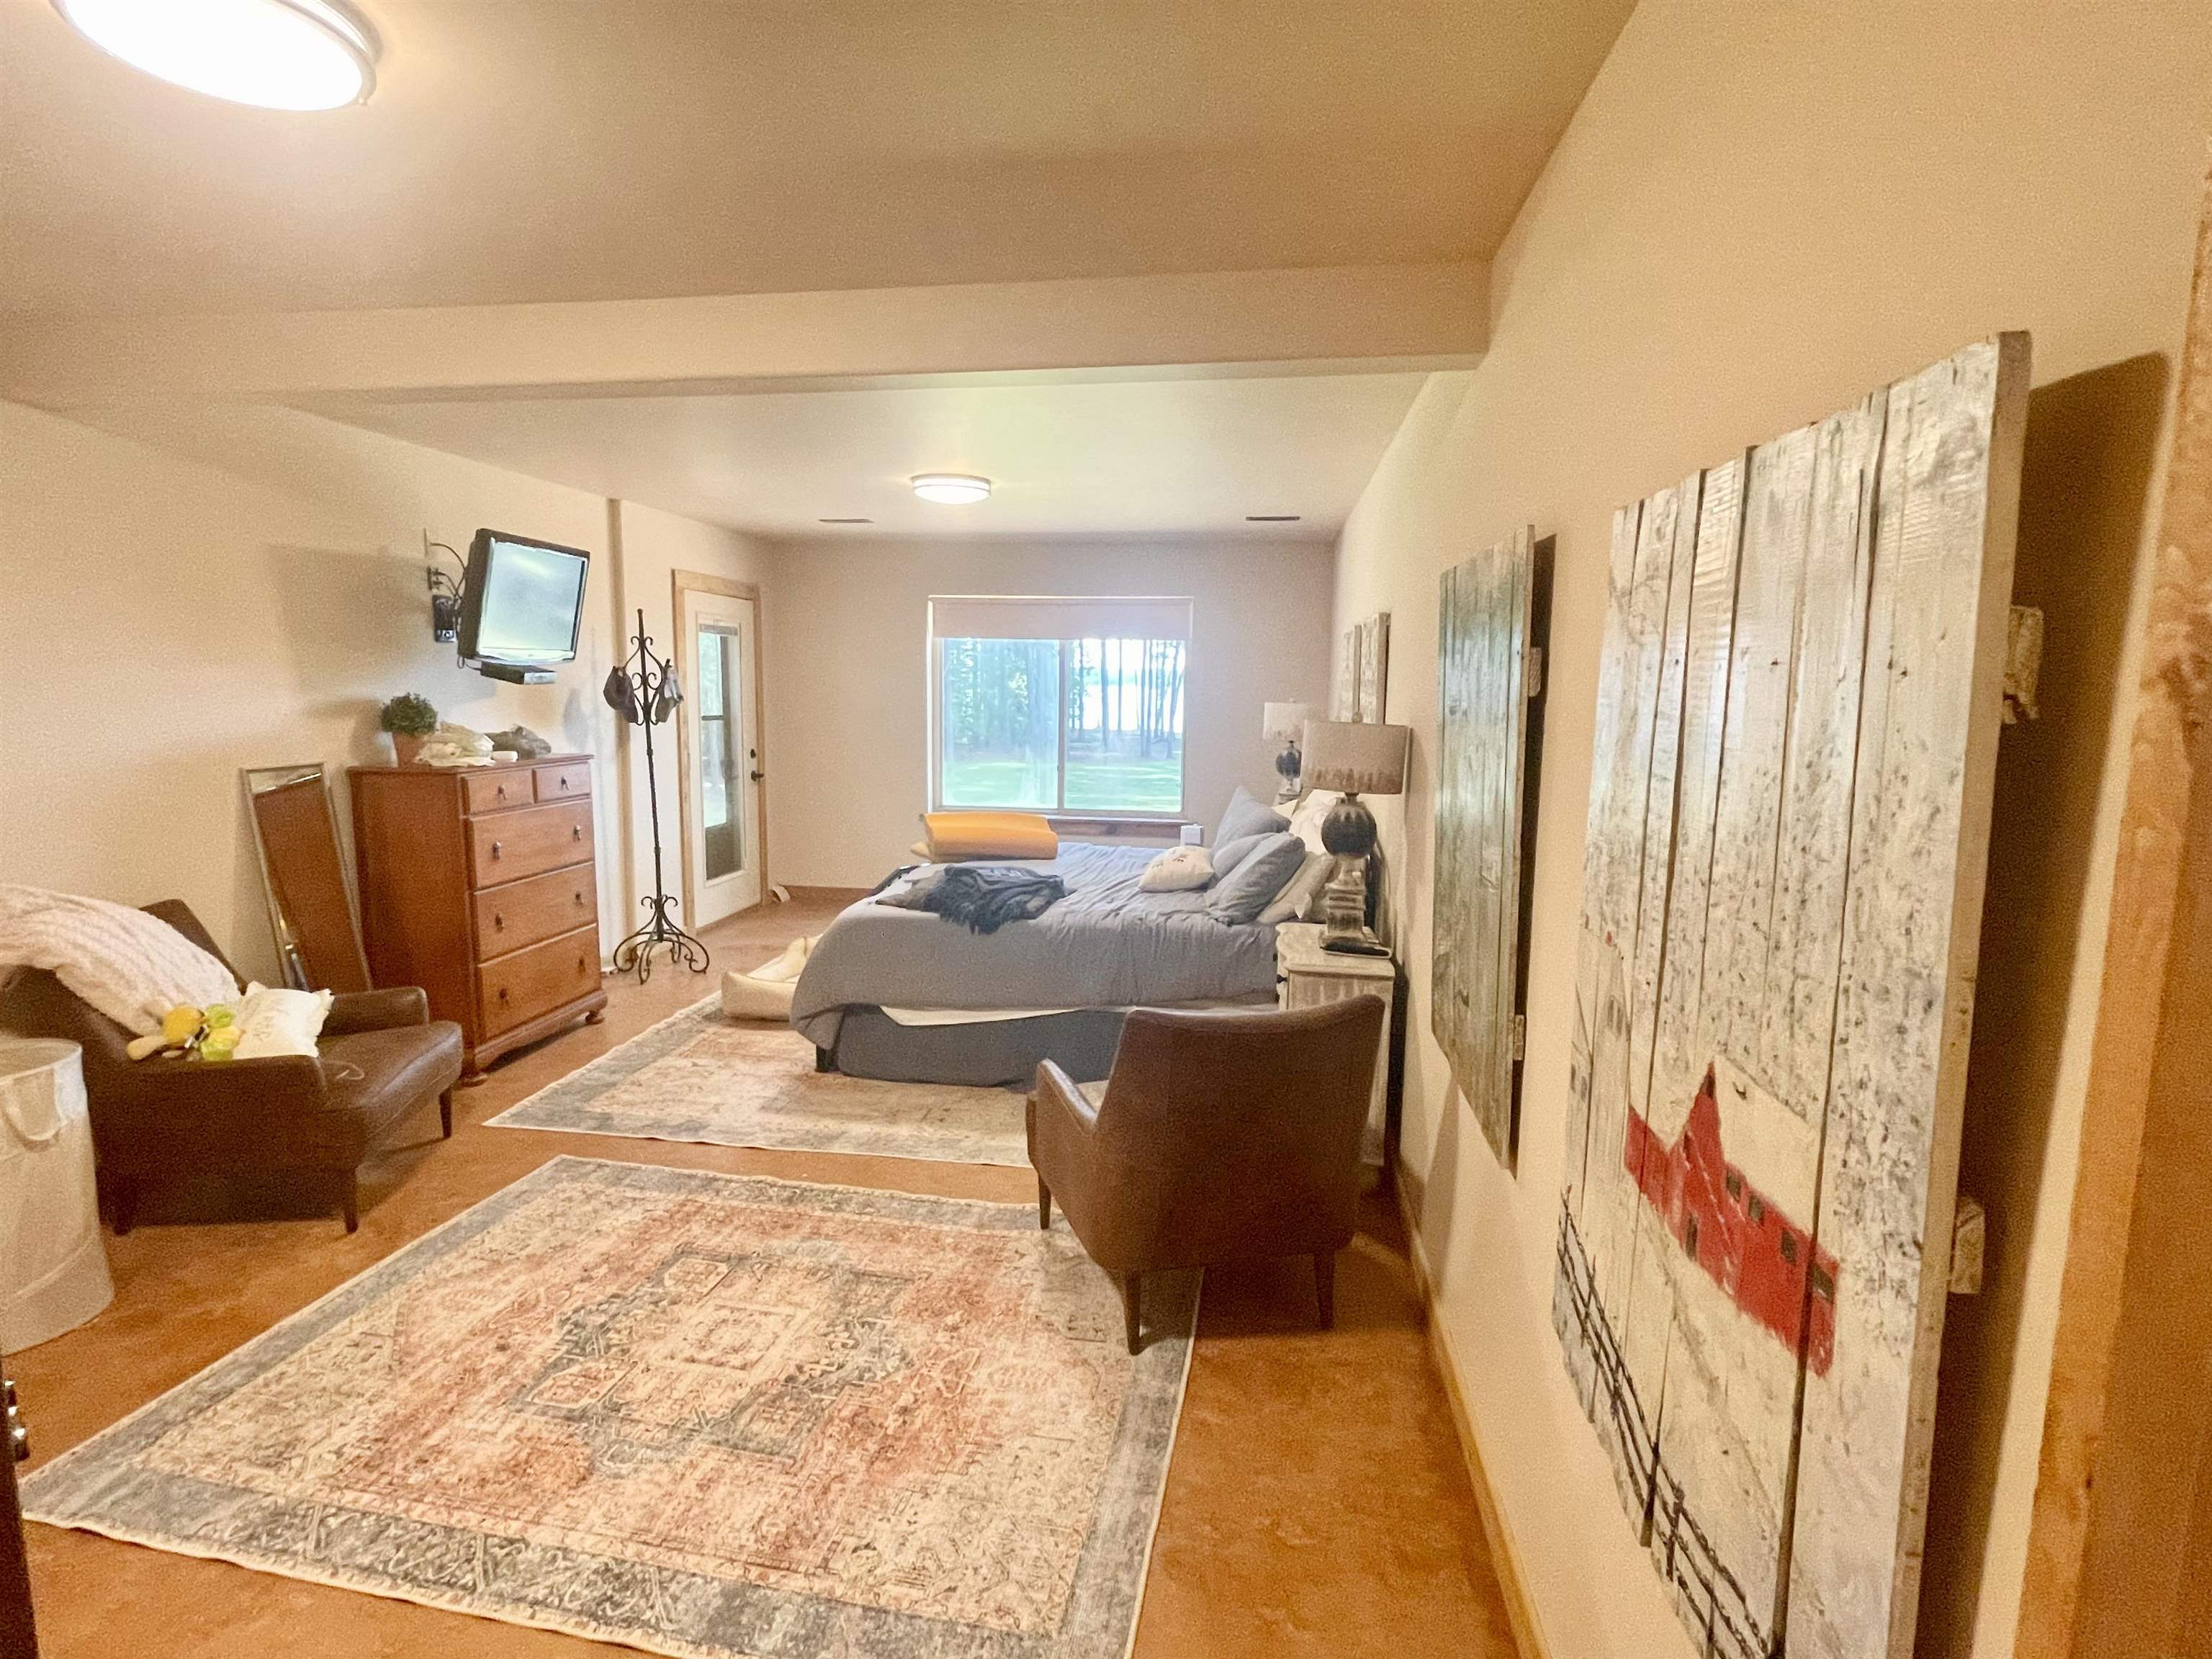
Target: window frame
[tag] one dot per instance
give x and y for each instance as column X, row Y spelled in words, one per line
column 1060, row 814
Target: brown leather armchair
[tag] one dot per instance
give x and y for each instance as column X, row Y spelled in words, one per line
column 382, row 1056
column 1217, row 1137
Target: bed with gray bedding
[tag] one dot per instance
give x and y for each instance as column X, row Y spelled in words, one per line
column 1107, row 945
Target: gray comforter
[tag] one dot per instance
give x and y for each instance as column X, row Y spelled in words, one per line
column 1105, row 945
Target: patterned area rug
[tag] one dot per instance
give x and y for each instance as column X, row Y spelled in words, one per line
column 701, row 1415
column 697, row 1076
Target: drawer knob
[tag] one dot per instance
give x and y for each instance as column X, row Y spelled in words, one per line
column 500, row 790
column 494, row 849
column 575, row 832
column 564, row 783
column 580, row 900
column 502, row 994
column 497, row 919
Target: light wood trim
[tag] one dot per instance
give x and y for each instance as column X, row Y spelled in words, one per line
column 695, row 581
column 2153, row 988
column 1506, row 1560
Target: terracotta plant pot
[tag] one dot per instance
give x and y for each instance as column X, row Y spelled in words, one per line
column 405, row 749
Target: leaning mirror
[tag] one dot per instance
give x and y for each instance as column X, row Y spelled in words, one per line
column 303, row 875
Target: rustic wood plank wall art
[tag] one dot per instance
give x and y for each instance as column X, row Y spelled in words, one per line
column 1489, row 617
column 1374, row 666
column 1344, row 696
column 1800, row 693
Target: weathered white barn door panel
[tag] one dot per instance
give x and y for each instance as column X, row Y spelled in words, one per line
column 1799, row 701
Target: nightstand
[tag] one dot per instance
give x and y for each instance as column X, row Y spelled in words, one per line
column 1307, row 977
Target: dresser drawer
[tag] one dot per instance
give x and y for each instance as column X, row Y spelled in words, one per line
column 508, row 845
column 490, row 791
column 565, row 781
column 524, row 912
column 524, row 984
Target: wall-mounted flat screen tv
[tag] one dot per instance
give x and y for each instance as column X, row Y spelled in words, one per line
column 522, row 603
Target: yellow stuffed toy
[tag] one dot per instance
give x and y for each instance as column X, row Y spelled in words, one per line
column 189, row 1033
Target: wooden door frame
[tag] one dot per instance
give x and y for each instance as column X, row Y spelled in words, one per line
column 2152, row 980
column 693, row 581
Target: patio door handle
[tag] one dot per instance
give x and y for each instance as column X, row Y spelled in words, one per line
column 757, row 776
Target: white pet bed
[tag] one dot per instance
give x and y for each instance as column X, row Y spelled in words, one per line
column 765, row 992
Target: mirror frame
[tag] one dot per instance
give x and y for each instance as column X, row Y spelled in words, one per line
column 261, row 780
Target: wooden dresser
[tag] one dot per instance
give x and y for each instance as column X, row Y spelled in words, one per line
column 478, row 883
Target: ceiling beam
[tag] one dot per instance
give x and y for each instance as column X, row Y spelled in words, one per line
column 1333, row 318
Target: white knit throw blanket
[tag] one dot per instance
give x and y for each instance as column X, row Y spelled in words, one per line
column 132, row 967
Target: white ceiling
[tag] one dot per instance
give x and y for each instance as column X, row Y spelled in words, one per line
column 1142, row 457
column 523, row 150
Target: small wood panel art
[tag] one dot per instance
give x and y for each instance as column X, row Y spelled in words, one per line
column 1374, row 665
column 1486, row 620
column 1799, row 697
column 1363, row 669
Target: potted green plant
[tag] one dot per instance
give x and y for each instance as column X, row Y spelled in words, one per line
column 410, row 720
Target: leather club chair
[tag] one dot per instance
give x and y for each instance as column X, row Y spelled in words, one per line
column 382, row 1056
column 1216, row 1138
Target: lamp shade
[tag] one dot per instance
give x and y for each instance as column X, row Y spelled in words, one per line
column 1360, row 757
column 1284, row 721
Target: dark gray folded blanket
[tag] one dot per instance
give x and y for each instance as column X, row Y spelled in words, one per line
column 983, row 897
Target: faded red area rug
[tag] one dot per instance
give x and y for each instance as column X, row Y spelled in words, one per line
column 701, row 1414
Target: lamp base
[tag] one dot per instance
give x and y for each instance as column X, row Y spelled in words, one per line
column 1287, row 766
column 1344, row 927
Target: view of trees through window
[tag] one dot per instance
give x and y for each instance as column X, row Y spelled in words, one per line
column 1114, row 745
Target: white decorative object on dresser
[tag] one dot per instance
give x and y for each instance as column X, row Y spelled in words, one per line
column 1308, row 977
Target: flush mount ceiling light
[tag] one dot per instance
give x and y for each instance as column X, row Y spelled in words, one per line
column 276, row 54
column 952, row 489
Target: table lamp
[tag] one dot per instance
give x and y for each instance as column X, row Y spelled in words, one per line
column 1285, row 723
column 1356, row 757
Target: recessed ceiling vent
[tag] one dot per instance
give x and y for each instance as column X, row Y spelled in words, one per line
column 844, row 521
column 1272, row 517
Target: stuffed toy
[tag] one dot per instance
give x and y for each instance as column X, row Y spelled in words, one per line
column 189, row 1033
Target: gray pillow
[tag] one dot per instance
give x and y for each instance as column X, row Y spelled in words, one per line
column 1246, row 816
column 1228, row 854
column 1239, row 896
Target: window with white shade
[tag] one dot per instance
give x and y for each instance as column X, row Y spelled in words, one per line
column 1070, row 705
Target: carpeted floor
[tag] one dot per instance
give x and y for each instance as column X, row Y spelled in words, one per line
column 702, row 1414
column 698, row 1076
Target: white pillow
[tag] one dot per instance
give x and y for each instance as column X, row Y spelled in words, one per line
column 271, row 1021
column 1178, row 870
column 1305, row 822
column 1302, row 892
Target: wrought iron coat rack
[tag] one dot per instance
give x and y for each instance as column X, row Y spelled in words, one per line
column 644, row 690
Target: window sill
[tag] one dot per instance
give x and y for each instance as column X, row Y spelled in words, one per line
column 1099, row 828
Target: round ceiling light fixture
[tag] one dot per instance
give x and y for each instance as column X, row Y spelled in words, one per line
column 951, row 489
column 274, row 54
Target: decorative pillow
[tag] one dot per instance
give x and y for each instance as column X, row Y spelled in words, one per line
column 1178, row 870
column 1241, row 896
column 988, row 836
column 1305, row 822
column 1302, row 892
column 279, row 1022
column 1230, row 854
column 1247, row 817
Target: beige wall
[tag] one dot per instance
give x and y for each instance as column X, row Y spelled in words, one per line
column 848, row 750
column 244, row 590
column 1759, row 213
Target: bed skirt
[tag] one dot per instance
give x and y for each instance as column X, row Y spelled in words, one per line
column 984, row 1053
